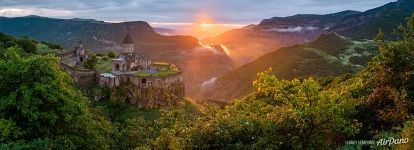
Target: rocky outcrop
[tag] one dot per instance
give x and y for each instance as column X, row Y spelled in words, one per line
column 151, row 97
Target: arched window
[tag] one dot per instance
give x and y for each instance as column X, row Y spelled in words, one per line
column 116, row 67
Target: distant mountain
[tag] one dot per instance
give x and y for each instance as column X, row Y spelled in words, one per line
column 365, row 25
column 98, row 35
column 329, row 55
column 250, row 42
column 303, row 20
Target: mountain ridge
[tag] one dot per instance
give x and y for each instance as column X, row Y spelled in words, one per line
column 252, row 41
column 366, row 24
column 338, row 15
column 99, row 34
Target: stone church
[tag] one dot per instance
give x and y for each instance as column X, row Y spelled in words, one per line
column 149, row 84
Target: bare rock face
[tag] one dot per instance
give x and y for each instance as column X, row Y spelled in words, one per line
column 151, row 97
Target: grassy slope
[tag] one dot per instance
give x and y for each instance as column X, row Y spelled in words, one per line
column 169, row 69
column 104, row 66
column 43, row 49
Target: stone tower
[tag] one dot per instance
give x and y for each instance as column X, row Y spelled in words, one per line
column 127, row 45
column 80, row 55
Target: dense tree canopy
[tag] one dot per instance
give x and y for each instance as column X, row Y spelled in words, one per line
column 39, row 100
column 27, row 45
column 111, row 54
column 281, row 114
column 391, row 85
column 91, row 62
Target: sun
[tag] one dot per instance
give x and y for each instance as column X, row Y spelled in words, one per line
column 205, row 25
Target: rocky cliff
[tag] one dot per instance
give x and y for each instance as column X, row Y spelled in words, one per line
column 151, row 97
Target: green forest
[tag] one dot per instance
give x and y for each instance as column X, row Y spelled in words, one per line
column 42, row 108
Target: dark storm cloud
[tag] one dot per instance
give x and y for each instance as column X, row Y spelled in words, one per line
column 230, row 11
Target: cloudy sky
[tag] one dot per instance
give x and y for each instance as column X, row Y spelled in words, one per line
column 180, row 11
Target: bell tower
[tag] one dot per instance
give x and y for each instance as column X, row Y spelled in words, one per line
column 80, row 56
column 127, row 45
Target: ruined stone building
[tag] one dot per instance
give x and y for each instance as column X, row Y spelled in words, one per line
column 76, row 57
column 80, row 56
column 134, row 78
column 72, row 61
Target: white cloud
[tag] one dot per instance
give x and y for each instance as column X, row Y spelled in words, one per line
column 17, row 12
column 228, row 11
column 206, row 85
column 293, row 29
